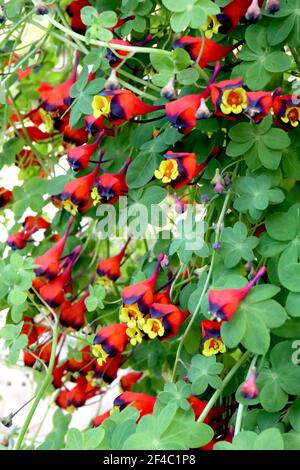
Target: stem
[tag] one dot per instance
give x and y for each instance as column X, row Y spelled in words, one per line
column 218, row 392
column 189, row 326
column 119, row 47
column 240, row 411
column 41, row 391
column 146, row 83
column 136, row 90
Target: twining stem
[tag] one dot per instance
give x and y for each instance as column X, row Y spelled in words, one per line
column 42, row 390
column 189, row 326
column 136, row 90
column 240, row 411
column 120, row 47
column 146, row 83
column 226, row 380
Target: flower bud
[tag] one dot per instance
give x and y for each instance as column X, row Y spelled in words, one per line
column 179, row 206
column 217, row 246
column 165, row 262
column 204, row 198
column 218, row 182
column 41, row 9
column 112, row 82
column 249, row 388
column 7, row 420
column 203, row 112
column 272, row 6
column 169, row 92
column 253, row 13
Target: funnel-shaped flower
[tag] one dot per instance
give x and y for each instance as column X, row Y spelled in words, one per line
column 73, row 136
column 48, row 263
column 57, row 99
column 224, row 303
column 108, row 370
column 109, row 341
column 287, row 111
column 79, row 157
column 229, row 98
column 164, row 321
column 177, row 169
column 73, row 314
column 214, row 417
column 120, row 106
column 143, row 402
column 53, row 292
column 139, row 297
column 249, row 388
column 110, row 267
column 109, row 187
column 211, row 338
column 71, row 399
column 31, row 224
column 211, row 51
column 114, row 59
column 76, row 194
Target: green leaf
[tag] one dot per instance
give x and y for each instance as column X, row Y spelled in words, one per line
column 204, row 372
column 88, row 15
column 16, row 296
column 141, row 170
column 74, row 440
column 294, row 415
column 277, row 61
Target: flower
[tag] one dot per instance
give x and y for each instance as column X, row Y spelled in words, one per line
column 232, row 14
column 109, row 341
column 79, row 157
column 229, row 98
column 211, row 51
column 272, row 6
column 203, row 112
column 259, row 104
column 128, row 380
column 5, row 197
column 120, row 106
column 53, row 291
column 110, row 267
column 211, row 26
column 108, row 370
column 170, row 319
column 74, row 136
column 31, row 224
column 77, row 396
column 287, row 111
column 214, row 417
column 48, row 263
column 223, row 303
column 57, row 99
column 114, row 59
column 76, row 194
column 218, row 182
column 168, row 170
column 249, row 388
column 211, row 338
column 73, row 314
column 253, row 13
column 182, row 112
column 141, row 293
column 93, row 125
column 109, row 187
column 73, row 10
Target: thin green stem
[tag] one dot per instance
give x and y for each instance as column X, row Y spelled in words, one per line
column 189, row 326
column 41, row 391
column 240, row 411
column 136, row 90
column 146, row 83
column 226, row 380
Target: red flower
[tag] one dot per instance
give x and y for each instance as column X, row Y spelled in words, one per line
column 57, row 99
column 110, row 267
column 166, row 315
column 32, row 224
column 229, row 98
column 211, row 338
column 73, row 136
column 287, row 111
column 76, row 194
column 214, row 417
column 73, row 10
column 53, row 292
column 120, row 106
column 112, row 58
column 108, row 371
column 141, row 293
column 48, row 263
column 79, row 157
column 128, row 380
column 101, row 418
column 232, row 14
column 93, row 125
column 182, row 112
column 259, row 104
column 109, row 341
column 5, row 197
column 212, row 51
column 84, row 365
column 143, row 402
column 77, row 396
column 224, row 303
column 108, row 188
column 73, row 314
